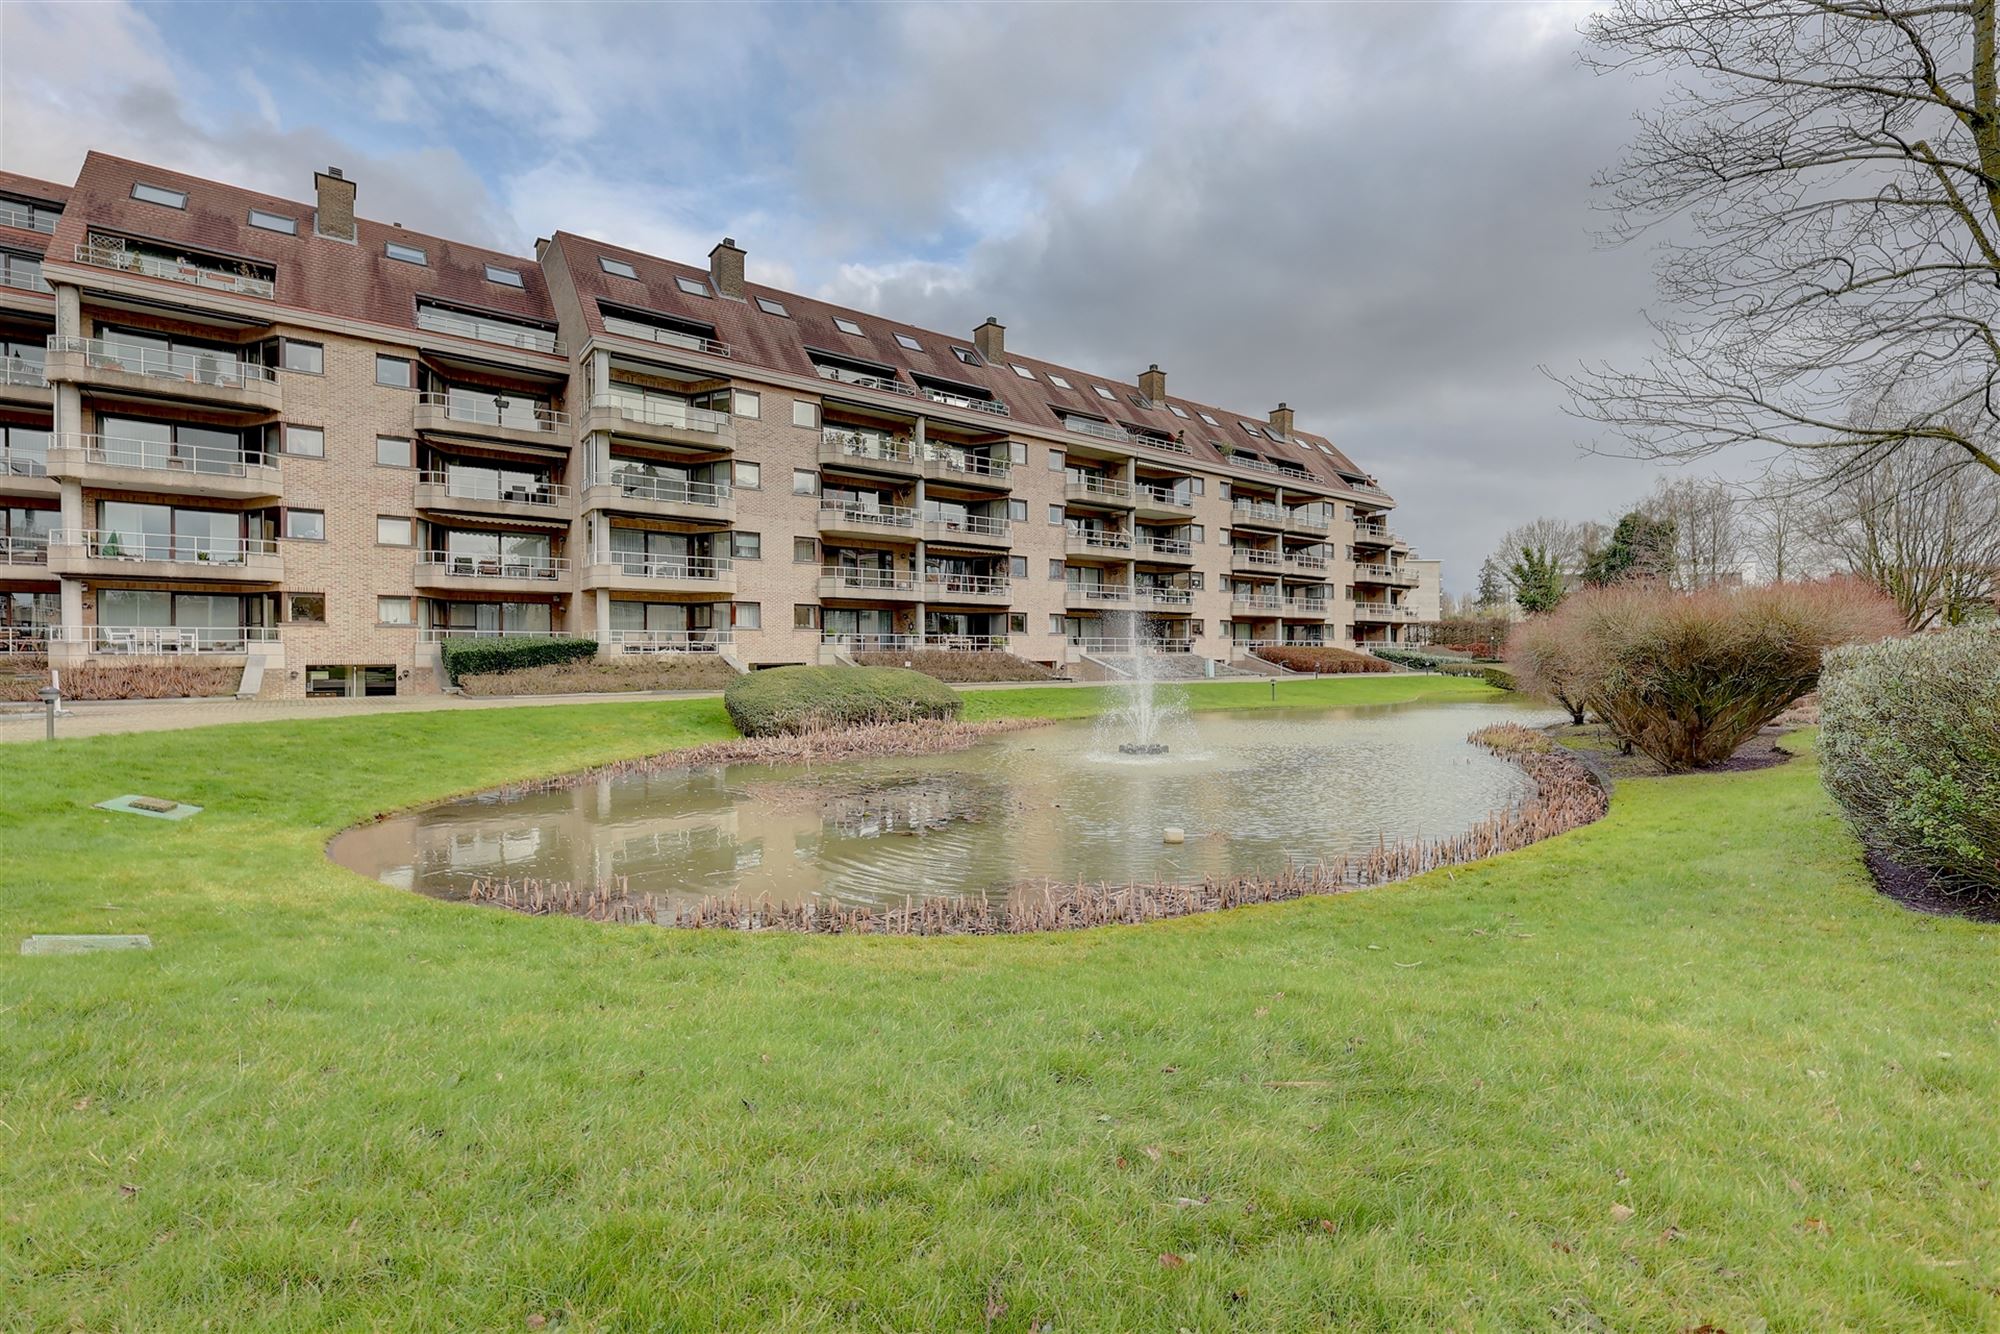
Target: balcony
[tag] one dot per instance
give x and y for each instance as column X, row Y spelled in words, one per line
column 25, row 472
column 1100, row 430
column 210, row 378
column 438, row 634
column 1307, row 609
column 27, row 640
column 526, row 337
column 860, row 451
column 837, row 581
column 1097, row 597
column 1257, row 514
column 113, row 555
column 447, row 570
column 1255, row 604
column 968, row 470
column 1307, row 519
column 982, row 589
column 1160, row 502
column 672, row 641
column 1099, row 543
column 702, row 576
column 483, row 418
column 164, row 640
column 1255, row 560
column 857, row 643
column 979, row 530
column 166, row 468
column 23, row 382
column 534, row 502
column 24, row 558
column 1167, row 599
column 1372, row 534
column 1171, row 550
column 945, row 398
column 663, row 498
column 1314, row 565
column 27, row 219
column 1375, row 572
column 1383, row 611
column 895, row 522
column 966, row 643
column 101, row 256
column 1112, row 492
column 661, row 422
column 880, row 383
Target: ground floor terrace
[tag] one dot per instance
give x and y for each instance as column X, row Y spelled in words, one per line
column 1683, row 1067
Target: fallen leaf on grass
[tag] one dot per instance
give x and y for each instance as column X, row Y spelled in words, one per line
column 128, row 1190
column 1184, row 1202
column 1818, row 1225
column 537, row 1321
column 1328, row 1225
column 995, row 1308
column 1621, row 1212
column 1151, row 1151
column 1168, row 1260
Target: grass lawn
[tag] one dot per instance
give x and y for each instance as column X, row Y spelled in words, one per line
column 322, row 1102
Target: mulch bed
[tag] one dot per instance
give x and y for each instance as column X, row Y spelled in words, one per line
column 1595, row 745
column 1920, row 891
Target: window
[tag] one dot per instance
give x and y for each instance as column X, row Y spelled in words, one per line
column 408, row 254
column 846, row 326
column 306, row 442
column 805, row 414
column 805, row 551
column 1020, row 370
column 393, row 611
column 1017, row 566
column 306, row 525
column 1197, row 534
column 770, row 307
column 391, row 452
column 1055, row 460
column 909, row 342
column 1178, row 411
column 749, row 476
column 505, row 277
column 274, row 222
column 391, row 531
column 689, row 285
column 746, row 546
column 1196, row 629
column 1017, row 510
column 967, row 355
column 748, row 615
column 1055, row 571
column 1195, row 580
column 1198, row 484
column 155, row 194
column 1055, row 623
column 805, row 482
column 1056, row 515
column 805, row 616
column 1058, row 381
column 307, row 357
column 306, row 608
column 1017, row 453
column 1252, row 427
column 748, row 403
column 617, row 268
column 394, row 373
column 1017, row 622
column 1205, row 417
column 1104, row 393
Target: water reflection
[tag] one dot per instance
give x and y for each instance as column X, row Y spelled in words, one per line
column 1251, row 790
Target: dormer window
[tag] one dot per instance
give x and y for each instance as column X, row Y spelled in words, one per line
column 690, row 285
column 617, row 268
column 407, row 254
column 505, row 277
column 847, row 326
column 274, row 222
column 159, row 194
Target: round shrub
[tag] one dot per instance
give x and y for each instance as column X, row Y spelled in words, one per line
column 1910, row 747
column 781, row 700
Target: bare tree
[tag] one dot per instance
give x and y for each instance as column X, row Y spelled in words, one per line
column 1708, row 531
column 1832, row 170
column 1775, row 512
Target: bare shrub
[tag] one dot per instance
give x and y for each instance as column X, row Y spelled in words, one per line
column 1547, row 660
column 1325, row 659
column 164, row 678
column 1686, row 678
column 655, row 671
column 983, row 665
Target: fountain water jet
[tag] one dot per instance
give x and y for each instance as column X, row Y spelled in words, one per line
column 1135, row 728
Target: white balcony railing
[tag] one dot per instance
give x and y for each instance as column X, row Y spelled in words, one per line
column 863, row 445
column 951, row 400
column 1167, row 597
column 1114, row 488
column 1102, row 430
column 1099, row 539
column 860, row 580
column 1316, row 564
column 522, row 336
column 974, row 525
column 667, row 337
column 1119, row 594
column 459, row 486
column 969, row 465
column 1254, row 556
column 939, row 584
column 21, row 372
column 27, row 219
column 437, row 634
column 1255, row 603
column 461, row 565
column 462, row 407
column 869, row 643
column 966, row 643
column 705, row 569
column 1102, row 644
column 672, row 641
column 26, row 639
column 1306, row 606
column 25, row 277
column 180, row 271
column 111, row 544
column 17, row 461
column 23, row 551
column 1163, row 495
column 195, row 365
column 865, row 381
column 163, row 640
column 1257, row 509
column 115, row 451
column 882, row 516
column 663, row 412
column 1371, row 532
column 671, row 490
column 1166, row 546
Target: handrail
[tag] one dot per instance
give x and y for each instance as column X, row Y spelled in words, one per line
column 1166, row 495
column 877, row 382
column 26, row 639
column 1100, row 592
column 1168, row 597
column 115, row 544
column 1167, row 546
column 1376, row 571
column 985, row 525
column 887, row 581
column 951, row 400
column 971, row 465
column 965, row 643
column 663, row 412
column 1102, row 430
column 463, row 564
column 21, row 371
column 1258, row 509
column 1092, row 484
column 23, row 551
column 975, row 585
column 439, row 320
column 460, row 487
column 884, row 516
column 1255, row 556
column 671, row 490
column 1256, row 603
column 203, row 366
column 24, row 281
column 457, row 407
column 862, row 445
column 868, row 643
column 704, row 568
column 437, row 634
column 152, row 266
column 672, row 338
column 1300, row 518
column 1101, row 540
column 1372, row 531
column 673, row 641
column 13, row 215
column 115, row 451
column 165, row 639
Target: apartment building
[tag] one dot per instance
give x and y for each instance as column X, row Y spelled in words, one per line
column 274, row 430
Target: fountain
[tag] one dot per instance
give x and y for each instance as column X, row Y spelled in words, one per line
column 1137, row 725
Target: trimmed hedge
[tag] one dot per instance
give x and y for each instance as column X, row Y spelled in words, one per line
column 1910, row 747
column 1323, row 658
column 1423, row 660
column 981, row 665
column 781, row 700
column 1499, row 678
column 474, row 656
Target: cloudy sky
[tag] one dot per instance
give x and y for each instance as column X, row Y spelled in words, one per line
column 1380, row 214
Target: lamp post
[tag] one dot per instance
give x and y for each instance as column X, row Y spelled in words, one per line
column 50, row 696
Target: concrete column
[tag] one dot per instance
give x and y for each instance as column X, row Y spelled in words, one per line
column 69, row 311
column 600, row 373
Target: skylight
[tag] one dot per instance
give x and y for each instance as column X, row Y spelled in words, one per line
column 1058, row 381
column 157, row 194
column 909, row 342
column 274, row 222
column 1102, row 392
column 847, row 326
column 1252, row 427
column 505, row 277
column 966, row 355
column 616, row 267
column 770, row 307
column 1205, row 417
column 1021, row 370
column 408, row 254
column 1178, row 411
column 689, row 285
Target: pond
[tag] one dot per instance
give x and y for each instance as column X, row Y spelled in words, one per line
column 1250, row 790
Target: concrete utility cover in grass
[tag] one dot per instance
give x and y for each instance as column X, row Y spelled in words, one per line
column 159, row 808
column 83, row 944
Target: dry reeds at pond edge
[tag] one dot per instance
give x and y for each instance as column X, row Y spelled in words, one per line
column 1566, row 797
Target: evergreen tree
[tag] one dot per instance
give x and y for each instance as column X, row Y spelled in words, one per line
column 1640, row 548
column 1538, row 579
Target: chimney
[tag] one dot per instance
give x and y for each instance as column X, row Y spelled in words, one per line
column 1153, row 383
column 336, row 205
column 1281, row 420
column 990, row 339
column 725, row 267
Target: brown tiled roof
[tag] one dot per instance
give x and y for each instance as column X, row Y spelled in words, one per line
column 778, row 343
column 354, row 281
column 27, row 187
